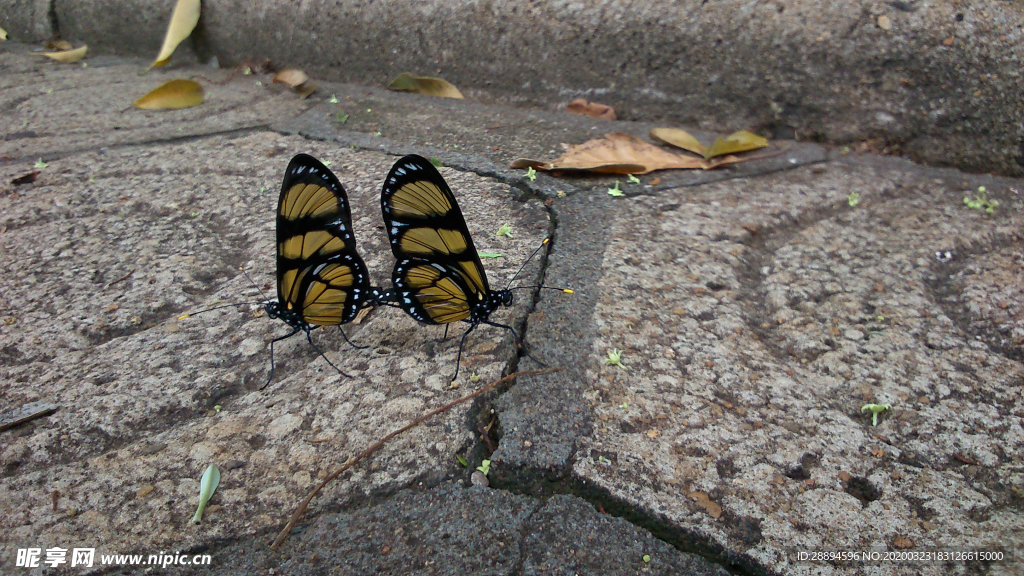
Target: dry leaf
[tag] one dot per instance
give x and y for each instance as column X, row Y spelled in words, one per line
column 291, row 77
column 67, row 56
column 183, row 21
column 902, row 543
column 613, row 154
column 306, row 89
column 581, row 106
column 678, row 138
column 3, row 34
column 736, row 142
column 702, row 499
column 406, row 82
column 179, row 93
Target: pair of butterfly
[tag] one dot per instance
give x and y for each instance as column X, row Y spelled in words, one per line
column 322, row 281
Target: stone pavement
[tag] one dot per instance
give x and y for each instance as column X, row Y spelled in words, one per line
column 757, row 312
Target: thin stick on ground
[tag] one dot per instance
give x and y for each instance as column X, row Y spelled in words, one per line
column 283, row 535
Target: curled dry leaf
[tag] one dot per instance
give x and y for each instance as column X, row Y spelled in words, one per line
column 581, row 106
column 678, row 138
column 67, row 56
column 613, row 154
column 298, row 80
column 406, row 82
column 58, row 45
column 179, row 93
column 291, row 77
column 183, row 21
column 735, row 143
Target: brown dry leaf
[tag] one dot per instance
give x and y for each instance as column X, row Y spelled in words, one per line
column 306, row 89
column 291, row 77
column 736, row 142
column 678, row 138
column 67, row 56
column 902, row 543
column 702, row 499
column 179, row 93
column 582, row 107
column 58, row 45
column 407, row 82
column 183, row 21
column 615, row 153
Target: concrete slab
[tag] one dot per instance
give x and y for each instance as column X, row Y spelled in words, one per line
column 757, row 317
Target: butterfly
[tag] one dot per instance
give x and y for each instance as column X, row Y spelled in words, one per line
column 438, row 277
column 321, row 280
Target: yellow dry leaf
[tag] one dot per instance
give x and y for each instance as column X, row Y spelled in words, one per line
column 3, row 34
column 741, row 141
column 705, row 502
column 406, row 82
column 678, row 138
column 183, row 21
column 291, row 77
column 179, row 93
column 614, row 154
column 306, row 89
column 67, row 56
column 593, row 109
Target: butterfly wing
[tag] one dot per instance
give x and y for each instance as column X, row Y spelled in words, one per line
column 438, row 278
column 320, row 277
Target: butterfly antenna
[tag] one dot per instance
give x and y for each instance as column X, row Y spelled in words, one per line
column 519, row 341
column 233, row 304
column 254, row 285
column 521, row 268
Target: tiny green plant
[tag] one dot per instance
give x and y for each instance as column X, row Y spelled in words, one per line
column 632, row 179
column 40, row 164
column 484, row 467
column 474, row 377
column 647, row 558
column 853, row 199
column 435, row 161
column 378, row 133
column 326, row 162
column 340, row 117
column 615, row 192
column 531, row 174
column 614, row 358
column 488, row 254
column 333, row 99
column 462, row 461
column 980, row 202
column 208, row 483
column 875, row 409
column 505, row 230
column 604, row 460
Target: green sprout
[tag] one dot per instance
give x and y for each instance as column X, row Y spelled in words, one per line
column 341, row 117
column 217, row 408
column 333, row 99
column 378, row 133
column 980, row 202
column 531, row 174
column 209, row 482
column 474, row 377
column 604, row 460
column 484, row 467
column 40, row 164
column 624, row 405
column 462, row 461
column 647, row 558
column 488, row 254
column 247, row 71
column 632, row 179
column 505, row 230
column 615, row 192
column 614, row 358
column 325, row 162
column 853, row 199
column 436, row 162
column 875, row 409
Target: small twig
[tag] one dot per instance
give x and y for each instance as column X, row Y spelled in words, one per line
column 122, row 278
column 376, row 445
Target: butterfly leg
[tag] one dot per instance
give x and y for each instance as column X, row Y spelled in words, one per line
column 309, row 337
column 271, row 375
column 519, row 341
column 458, row 359
column 345, row 336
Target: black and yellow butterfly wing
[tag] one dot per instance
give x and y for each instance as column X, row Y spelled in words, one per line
column 321, row 280
column 438, row 278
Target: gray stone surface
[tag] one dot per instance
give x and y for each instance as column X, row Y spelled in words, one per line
column 757, row 311
column 939, row 80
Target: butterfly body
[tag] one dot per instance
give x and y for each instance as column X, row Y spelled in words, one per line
column 438, row 277
column 321, row 279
